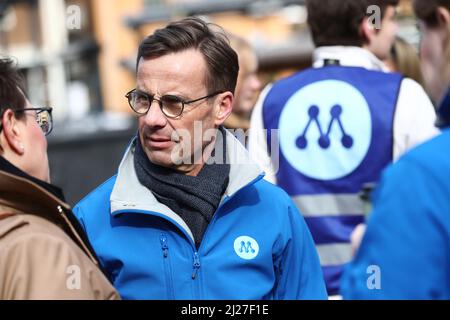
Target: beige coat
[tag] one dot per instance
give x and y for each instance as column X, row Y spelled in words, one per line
column 39, row 258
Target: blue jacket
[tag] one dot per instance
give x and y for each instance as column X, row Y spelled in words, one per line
column 405, row 253
column 256, row 247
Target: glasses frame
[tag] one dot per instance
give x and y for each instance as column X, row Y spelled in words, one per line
column 38, row 110
column 160, row 103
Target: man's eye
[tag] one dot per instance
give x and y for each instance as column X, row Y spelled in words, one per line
column 141, row 97
column 171, row 99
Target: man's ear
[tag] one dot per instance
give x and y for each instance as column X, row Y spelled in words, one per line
column 12, row 133
column 443, row 16
column 443, row 20
column 225, row 106
column 367, row 30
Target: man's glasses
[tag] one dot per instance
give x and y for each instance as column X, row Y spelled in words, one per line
column 171, row 106
column 43, row 118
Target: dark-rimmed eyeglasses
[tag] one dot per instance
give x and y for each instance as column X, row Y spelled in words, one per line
column 43, row 118
column 171, row 106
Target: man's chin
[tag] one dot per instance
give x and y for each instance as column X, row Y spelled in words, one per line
column 162, row 162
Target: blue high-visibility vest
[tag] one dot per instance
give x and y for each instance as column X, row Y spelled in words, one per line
column 335, row 135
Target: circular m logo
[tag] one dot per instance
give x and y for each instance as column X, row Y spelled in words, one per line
column 246, row 247
column 326, row 129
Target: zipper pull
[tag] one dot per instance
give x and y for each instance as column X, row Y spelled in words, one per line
column 196, row 265
column 164, row 246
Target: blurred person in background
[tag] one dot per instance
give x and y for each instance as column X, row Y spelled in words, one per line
column 408, row 232
column 403, row 58
column 44, row 253
column 248, row 85
column 188, row 225
column 340, row 123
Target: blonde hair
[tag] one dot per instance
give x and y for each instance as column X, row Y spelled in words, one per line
column 405, row 60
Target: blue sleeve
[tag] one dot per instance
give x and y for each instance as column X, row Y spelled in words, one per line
column 301, row 276
column 404, row 253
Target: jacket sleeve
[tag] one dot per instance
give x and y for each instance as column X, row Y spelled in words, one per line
column 403, row 254
column 300, row 273
column 40, row 266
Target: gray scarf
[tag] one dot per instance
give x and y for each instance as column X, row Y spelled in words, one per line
column 194, row 199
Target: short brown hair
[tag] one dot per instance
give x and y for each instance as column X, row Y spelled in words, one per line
column 337, row 22
column 11, row 87
column 426, row 10
column 193, row 33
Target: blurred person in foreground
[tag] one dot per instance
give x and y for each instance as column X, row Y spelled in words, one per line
column 44, row 253
column 404, row 59
column 340, row 123
column 405, row 251
column 248, row 85
column 188, row 215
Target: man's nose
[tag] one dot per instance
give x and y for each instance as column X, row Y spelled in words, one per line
column 155, row 117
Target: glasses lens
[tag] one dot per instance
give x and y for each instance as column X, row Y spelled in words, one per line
column 139, row 102
column 172, row 106
column 44, row 120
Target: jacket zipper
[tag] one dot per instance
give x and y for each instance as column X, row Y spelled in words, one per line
column 196, row 261
column 196, row 281
column 196, row 265
column 167, row 267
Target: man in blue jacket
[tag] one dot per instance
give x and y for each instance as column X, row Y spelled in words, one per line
column 405, row 253
column 188, row 215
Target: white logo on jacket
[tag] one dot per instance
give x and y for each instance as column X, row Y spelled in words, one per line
column 246, row 247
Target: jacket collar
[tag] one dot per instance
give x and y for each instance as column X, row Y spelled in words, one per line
column 444, row 111
column 129, row 195
column 8, row 167
column 22, row 194
column 348, row 57
column 15, row 183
